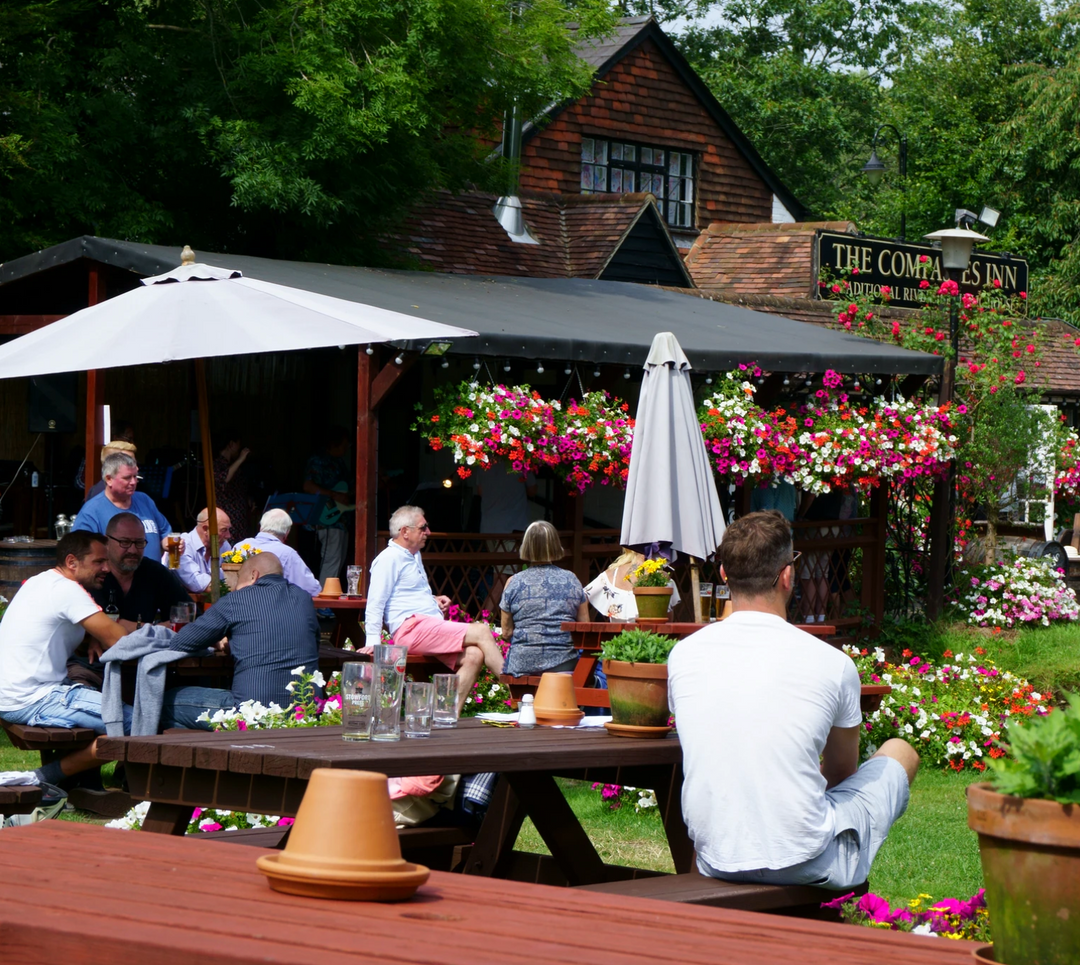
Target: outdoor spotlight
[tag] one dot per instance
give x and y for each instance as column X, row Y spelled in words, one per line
column 370, row 350
column 874, row 169
column 437, row 348
column 539, row 368
column 989, row 217
column 965, row 218
column 398, row 359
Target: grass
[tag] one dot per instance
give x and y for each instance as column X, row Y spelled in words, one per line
column 930, row 850
column 1049, row 657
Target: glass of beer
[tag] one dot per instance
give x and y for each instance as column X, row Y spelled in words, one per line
column 723, row 594
column 172, row 544
column 705, row 591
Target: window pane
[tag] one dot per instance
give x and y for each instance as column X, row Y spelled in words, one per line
column 616, row 152
column 616, row 179
column 673, row 163
column 646, row 155
column 628, row 181
column 688, row 189
column 658, row 157
column 599, row 178
column 601, row 152
column 587, row 149
column 673, row 188
column 629, row 152
column 586, row 177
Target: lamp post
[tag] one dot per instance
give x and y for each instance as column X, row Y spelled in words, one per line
column 874, row 169
column 956, row 247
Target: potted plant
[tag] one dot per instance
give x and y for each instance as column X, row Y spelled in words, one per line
column 652, row 594
column 635, row 663
column 1028, row 822
column 232, row 560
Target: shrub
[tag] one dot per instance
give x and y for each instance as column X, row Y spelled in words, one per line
column 1045, row 761
column 1022, row 591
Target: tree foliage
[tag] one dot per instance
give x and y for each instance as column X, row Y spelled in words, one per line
column 281, row 127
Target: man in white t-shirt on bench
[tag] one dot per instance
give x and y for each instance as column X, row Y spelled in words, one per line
column 44, row 623
column 769, row 722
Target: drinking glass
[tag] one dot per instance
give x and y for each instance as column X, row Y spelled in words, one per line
column 419, row 700
column 357, row 684
column 389, row 676
column 705, row 591
column 446, row 710
column 352, row 575
column 723, row 594
column 172, row 544
column 178, row 616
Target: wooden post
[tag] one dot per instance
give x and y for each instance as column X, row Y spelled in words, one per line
column 95, row 397
column 367, row 437
column 695, row 589
column 208, row 473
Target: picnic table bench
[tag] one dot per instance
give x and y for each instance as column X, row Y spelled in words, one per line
column 19, row 798
column 175, row 900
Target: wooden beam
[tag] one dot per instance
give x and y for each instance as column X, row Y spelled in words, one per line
column 23, row 324
column 388, row 377
column 95, row 395
column 367, row 454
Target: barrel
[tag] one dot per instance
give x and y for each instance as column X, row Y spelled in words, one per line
column 21, row 560
column 1030, row 547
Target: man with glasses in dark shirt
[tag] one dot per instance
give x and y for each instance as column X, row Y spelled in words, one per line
column 272, row 631
column 141, row 589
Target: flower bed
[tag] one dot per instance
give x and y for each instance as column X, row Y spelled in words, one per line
column 1019, row 592
column 952, row 713
column 949, row 918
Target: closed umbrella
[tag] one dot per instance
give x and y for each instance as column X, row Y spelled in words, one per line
column 671, row 506
column 197, row 312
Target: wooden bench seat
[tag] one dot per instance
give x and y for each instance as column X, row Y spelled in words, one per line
column 696, row 889
column 433, row 847
column 19, row 798
column 51, row 742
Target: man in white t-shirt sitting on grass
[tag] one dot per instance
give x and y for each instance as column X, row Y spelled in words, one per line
column 769, row 722
column 44, row 623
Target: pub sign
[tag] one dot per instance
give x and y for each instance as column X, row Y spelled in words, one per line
column 869, row 263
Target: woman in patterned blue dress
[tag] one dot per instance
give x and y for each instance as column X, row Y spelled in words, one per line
column 534, row 604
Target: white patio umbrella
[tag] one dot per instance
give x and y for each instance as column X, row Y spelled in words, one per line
column 671, row 505
column 197, row 312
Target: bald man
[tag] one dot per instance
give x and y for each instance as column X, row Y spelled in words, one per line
column 271, row 628
column 194, row 569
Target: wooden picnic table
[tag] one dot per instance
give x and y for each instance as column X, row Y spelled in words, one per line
column 348, row 610
column 164, row 900
column 266, row 772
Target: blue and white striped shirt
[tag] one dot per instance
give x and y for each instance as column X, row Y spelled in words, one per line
column 272, row 630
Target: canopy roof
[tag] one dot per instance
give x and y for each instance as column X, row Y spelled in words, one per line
column 559, row 319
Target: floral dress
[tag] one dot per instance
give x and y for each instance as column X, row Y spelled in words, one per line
column 539, row 600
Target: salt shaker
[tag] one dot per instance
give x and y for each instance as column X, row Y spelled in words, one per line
column 526, row 712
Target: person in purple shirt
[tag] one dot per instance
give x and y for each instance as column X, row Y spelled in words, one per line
column 273, row 531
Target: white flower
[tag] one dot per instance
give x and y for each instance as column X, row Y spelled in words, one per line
column 290, row 686
column 923, row 929
column 299, row 671
column 317, row 679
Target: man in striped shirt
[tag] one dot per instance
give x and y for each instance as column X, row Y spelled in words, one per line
column 271, row 628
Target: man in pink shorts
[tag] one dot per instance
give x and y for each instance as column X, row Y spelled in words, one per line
column 400, row 596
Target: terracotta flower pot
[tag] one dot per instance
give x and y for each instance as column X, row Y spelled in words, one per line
column 555, row 701
column 639, row 693
column 653, row 603
column 230, row 573
column 344, row 843
column 1030, row 852
column 332, row 587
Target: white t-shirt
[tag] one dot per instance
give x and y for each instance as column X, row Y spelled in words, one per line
column 754, row 699
column 38, row 634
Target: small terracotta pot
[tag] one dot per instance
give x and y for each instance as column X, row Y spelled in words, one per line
column 1030, row 851
column 230, row 573
column 639, row 693
column 344, row 843
column 332, row 587
column 555, row 694
column 653, row 603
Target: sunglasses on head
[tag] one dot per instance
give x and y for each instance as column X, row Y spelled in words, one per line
column 794, row 557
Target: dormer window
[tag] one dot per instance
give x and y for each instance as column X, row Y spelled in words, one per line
column 619, row 167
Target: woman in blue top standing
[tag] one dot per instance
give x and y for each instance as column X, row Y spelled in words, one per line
column 534, row 604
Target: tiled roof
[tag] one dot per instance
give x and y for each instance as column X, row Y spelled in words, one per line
column 758, row 259
column 577, row 234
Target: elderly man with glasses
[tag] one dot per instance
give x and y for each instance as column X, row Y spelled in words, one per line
column 769, row 721
column 194, row 568
column 400, row 596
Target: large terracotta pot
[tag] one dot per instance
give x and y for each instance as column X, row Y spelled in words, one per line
column 1030, row 853
column 638, row 692
column 653, row 603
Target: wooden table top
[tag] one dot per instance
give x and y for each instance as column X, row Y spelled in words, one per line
column 471, row 747
column 339, row 602
column 175, row 900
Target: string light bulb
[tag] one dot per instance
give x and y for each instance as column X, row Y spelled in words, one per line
column 539, row 368
column 787, row 381
column 398, row 360
column 370, row 350
column 476, row 365
column 596, row 373
column 446, row 363
column 506, row 367
column 626, row 374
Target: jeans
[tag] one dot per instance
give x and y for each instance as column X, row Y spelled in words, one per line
column 182, row 705
column 65, row 706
